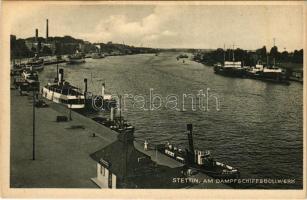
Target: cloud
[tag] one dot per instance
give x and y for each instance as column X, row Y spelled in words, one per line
column 118, row 28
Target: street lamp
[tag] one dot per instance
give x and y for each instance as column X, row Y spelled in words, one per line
column 33, row 121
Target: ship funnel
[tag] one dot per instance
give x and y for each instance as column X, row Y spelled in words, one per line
column 85, row 85
column 190, row 138
column 61, row 75
column 112, row 114
column 102, row 89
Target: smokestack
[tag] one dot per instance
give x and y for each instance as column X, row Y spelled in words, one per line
column 102, row 89
column 190, row 138
column 61, row 75
column 47, row 29
column 36, row 35
column 85, row 85
column 112, row 114
column 57, row 71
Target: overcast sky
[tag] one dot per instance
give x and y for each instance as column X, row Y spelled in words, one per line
column 168, row 26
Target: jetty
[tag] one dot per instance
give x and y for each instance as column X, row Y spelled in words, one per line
column 62, row 149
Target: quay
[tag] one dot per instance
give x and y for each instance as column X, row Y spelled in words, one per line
column 63, row 148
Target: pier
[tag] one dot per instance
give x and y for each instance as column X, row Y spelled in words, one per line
column 63, row 148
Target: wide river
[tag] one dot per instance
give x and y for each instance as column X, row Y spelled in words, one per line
column 257, row 126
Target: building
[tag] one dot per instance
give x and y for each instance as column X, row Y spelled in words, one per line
column 121, row 165
column 39, row 44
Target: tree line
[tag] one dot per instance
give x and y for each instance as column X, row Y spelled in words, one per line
column 66, row 45
column 250, row 58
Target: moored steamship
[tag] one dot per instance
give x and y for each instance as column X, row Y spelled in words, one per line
column 199, row 160
column 62, row 92
column 35, row 64
column 76, row 58
column 230, row 68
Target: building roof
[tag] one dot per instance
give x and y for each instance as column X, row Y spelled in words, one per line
column 123, row 160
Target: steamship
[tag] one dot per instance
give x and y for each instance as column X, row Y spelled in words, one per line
column 97, row 55
column 62, row 92
column 270, row 74
column 230, row 68
column 35, row 64
column 76, row 58
column 199, row 160
column 97, row 103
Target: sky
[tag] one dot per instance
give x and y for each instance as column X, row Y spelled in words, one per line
column 168, row 26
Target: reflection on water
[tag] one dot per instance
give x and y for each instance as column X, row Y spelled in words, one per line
column 257, row 129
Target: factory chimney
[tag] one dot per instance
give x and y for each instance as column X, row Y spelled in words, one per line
column 47, row 30
column 36, row 35
column 36, row 41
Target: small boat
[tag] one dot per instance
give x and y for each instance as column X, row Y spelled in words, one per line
column 97, row 55
column 76, row 58
column 182, row 56
column 63, row 92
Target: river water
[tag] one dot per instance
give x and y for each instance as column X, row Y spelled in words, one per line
column 258, row 126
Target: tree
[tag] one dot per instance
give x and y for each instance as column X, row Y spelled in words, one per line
column 298, row 56
column 284, row 56
column 262, row 53
column 274, row 52
column 46, row 50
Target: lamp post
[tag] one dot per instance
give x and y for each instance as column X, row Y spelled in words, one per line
column 33, row 120
column 70, row 112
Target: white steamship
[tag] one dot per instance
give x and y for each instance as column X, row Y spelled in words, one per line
column 62, row 92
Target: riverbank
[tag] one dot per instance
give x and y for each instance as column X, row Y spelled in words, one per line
column 62, row 148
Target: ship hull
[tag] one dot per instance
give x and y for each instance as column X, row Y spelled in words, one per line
column 60, row 98
column 269, row 77
column 231, row 72
column 75, row 61
column 97, row 56
column 214, row 172
column 35, row 66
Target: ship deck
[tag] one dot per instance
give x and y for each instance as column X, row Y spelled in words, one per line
column 64, row 89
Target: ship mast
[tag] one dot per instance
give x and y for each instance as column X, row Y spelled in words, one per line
column 120, row 110
column 224, row 53
column 274, row 55
column 233, row 52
